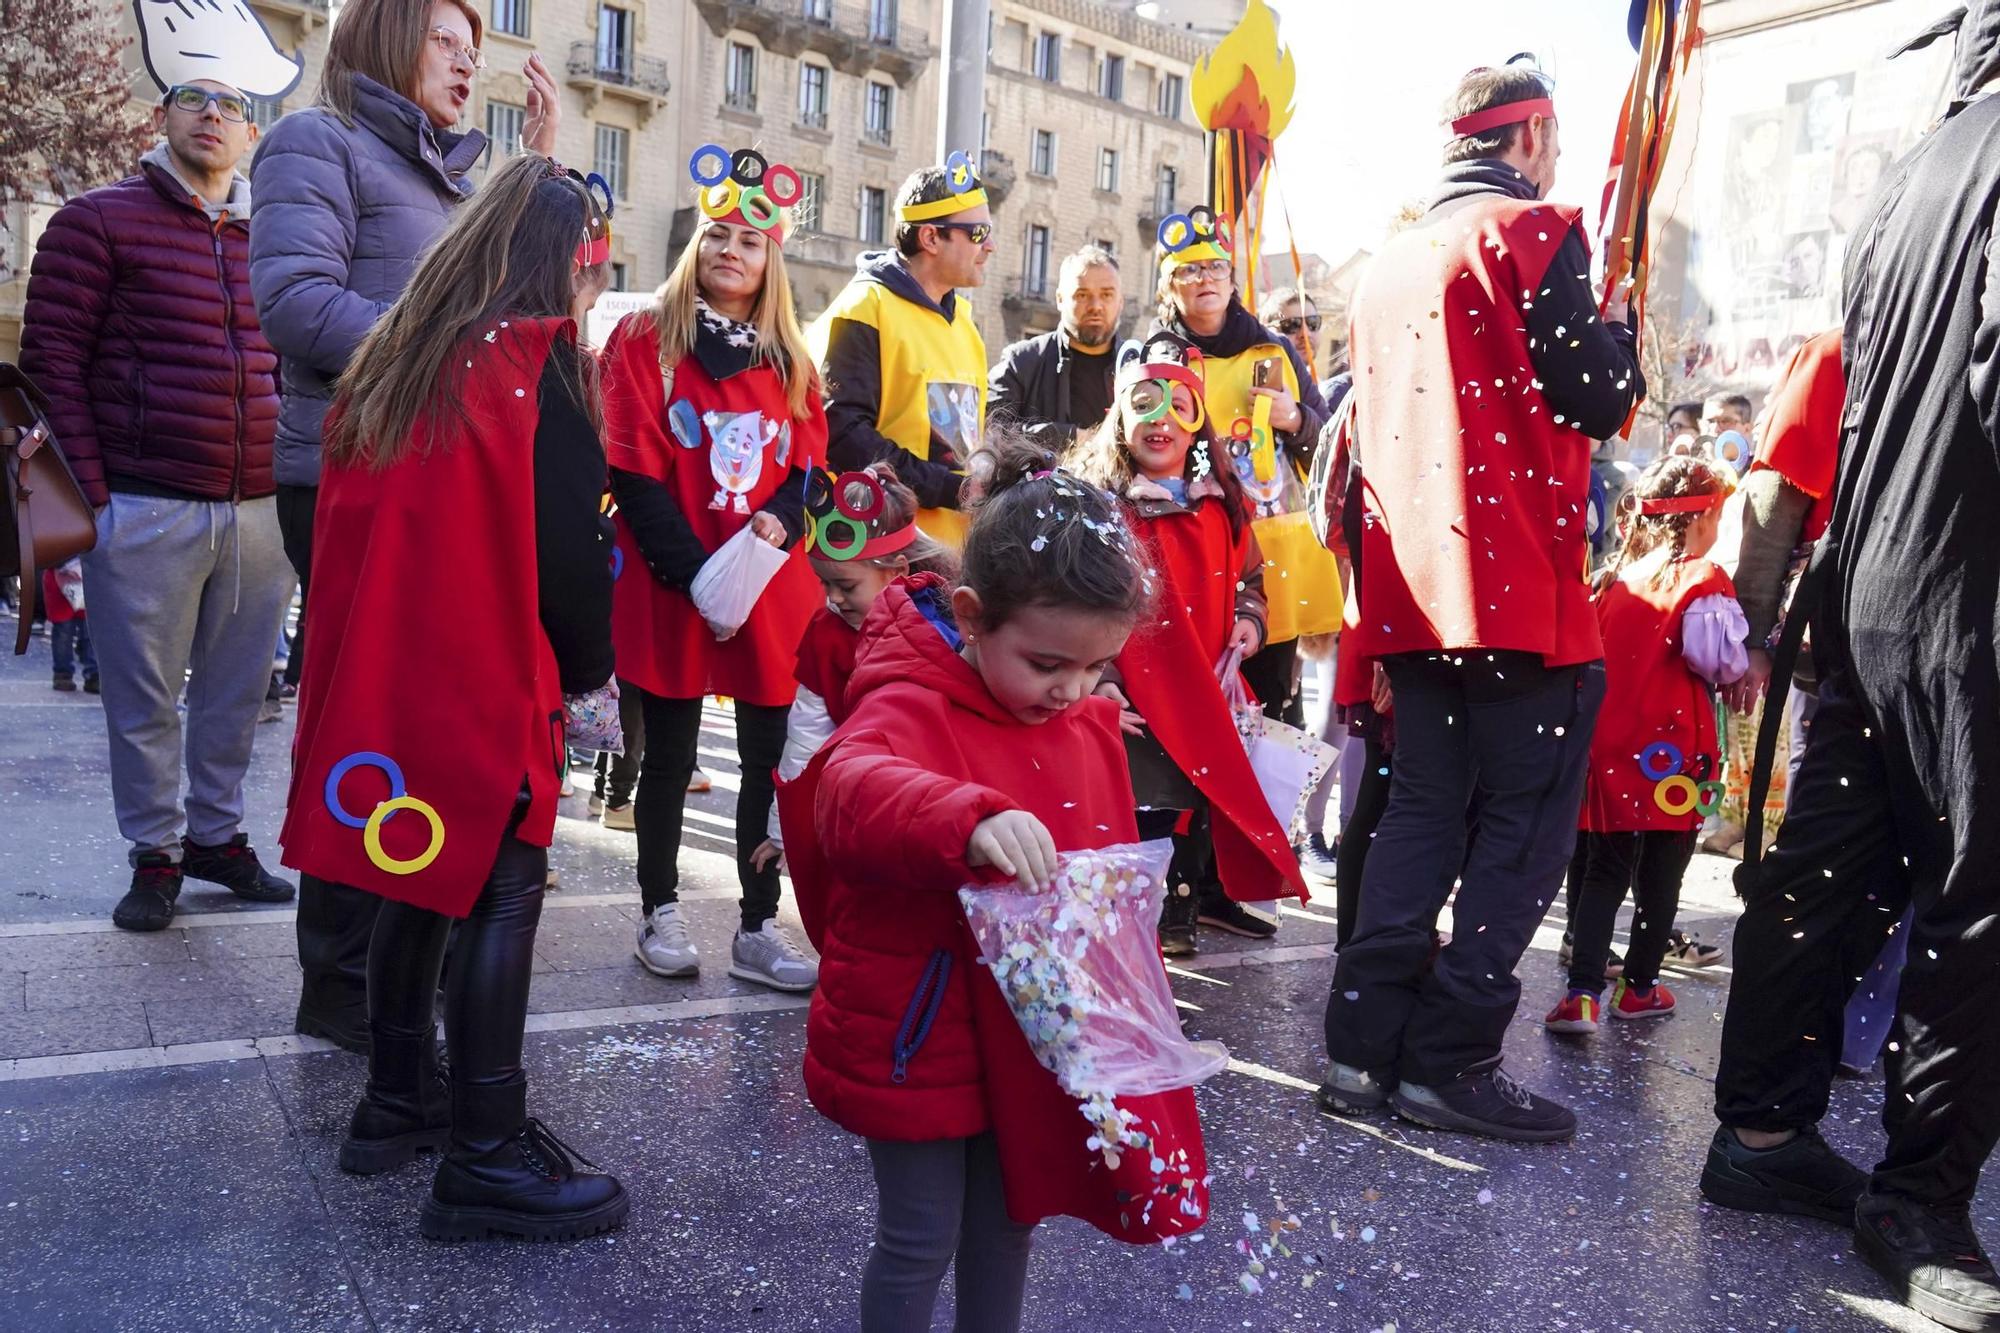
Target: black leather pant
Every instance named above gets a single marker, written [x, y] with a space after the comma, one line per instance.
[486, 993]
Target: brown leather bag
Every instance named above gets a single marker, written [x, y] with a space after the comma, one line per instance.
[46, 520]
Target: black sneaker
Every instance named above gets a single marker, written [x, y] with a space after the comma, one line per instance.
[1177, 922]
[236, 868]
[149, 903]
[1317, 859]
[64, 683]
[1932, 1259]
[1230, 915]
[90, 685]
[1802, 1176]
[1350, 1091]
[1485, 1100]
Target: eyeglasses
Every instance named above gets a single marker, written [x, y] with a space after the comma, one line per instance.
[978, 231]
[447, 42]
[1189, 274]
[1290, 324]
[186, 97]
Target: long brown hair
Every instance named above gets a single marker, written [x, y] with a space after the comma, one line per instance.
[1669, 478]
[383, 39]
[1104, 458]
[509, 250]
[781, 345]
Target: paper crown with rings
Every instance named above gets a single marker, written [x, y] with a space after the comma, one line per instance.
[746, 189]
[840, 528]
[966, 192]
[1149, 370]
[595, 247]
[1193, 237]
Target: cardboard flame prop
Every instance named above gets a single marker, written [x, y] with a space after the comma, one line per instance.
[1242, 94]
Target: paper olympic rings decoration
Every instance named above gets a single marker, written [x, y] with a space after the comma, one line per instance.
[831, 509]
[745, 186]
[962, 179]
[1152, 399]
[1197, 226]
[1673, 791]
[1733, 448]
[371, 827]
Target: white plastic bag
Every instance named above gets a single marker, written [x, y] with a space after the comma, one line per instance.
[731, 580]
[1289, 763]
[1080, 968]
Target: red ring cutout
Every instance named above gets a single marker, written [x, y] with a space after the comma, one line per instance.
[1241, 430]
[847, 479]
[771, 176]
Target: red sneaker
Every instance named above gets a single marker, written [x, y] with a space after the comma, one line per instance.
[1627, 1001]
[1577, 1013]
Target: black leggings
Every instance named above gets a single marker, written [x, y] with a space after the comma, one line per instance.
[1649, 865]
[617, 774]
[673, 727]
[1273, 676]
[486, 991]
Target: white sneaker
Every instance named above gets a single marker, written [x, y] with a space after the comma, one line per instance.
[664, 948]
[620, 817]
[769, 957]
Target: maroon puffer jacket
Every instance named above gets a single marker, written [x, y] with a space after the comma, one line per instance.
[140, 329]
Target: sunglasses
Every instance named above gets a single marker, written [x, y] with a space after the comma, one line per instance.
[978, 231]
[447, 42]
[195, 101]
[1291, 324]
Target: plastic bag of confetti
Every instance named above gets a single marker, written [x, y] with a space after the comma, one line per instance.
[1080, 968]
[731, 580]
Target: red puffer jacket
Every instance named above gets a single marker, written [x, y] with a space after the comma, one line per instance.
[140, 329]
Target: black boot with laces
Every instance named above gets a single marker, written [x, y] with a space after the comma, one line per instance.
[506, 1175]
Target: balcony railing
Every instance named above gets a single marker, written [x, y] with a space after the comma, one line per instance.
[741, 101]
[643, 77]
[813, 118]
[857, 36]
[882, 136]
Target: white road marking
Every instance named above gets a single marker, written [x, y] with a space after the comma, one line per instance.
[1258, 1071]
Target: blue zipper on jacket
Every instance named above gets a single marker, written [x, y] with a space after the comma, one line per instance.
[923, 1011]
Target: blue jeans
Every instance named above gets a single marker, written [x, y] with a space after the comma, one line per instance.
[69, 646]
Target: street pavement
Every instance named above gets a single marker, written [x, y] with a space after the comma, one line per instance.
[171, 1143]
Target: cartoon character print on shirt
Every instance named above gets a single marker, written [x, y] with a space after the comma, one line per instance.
[736, 454]
[1273, 497]
[954, 412]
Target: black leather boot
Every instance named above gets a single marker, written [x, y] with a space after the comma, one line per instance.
[507, 1175]
[1177, 916]
[406, 1109]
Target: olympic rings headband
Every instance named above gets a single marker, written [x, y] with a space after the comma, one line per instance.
[1192, 237]
[827, 505]
[746, 189]
[595, 247]
[1507, 113]
[966, 192]
[1681, 504]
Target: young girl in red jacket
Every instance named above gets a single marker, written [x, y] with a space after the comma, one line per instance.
[1156, 452]
[1672, 633]
[855, 560]
[975, 751]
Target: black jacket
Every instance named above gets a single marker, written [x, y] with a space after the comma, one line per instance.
[1030, 384]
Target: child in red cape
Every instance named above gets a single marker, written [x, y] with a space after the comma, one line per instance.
[855, 566]
[974, 752]
[1190, 774]
[1672, 632]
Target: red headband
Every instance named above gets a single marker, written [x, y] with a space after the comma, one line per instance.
[1508, 113]
[1680, 504]
[1171, 371]
[887, 544]
[594, 251]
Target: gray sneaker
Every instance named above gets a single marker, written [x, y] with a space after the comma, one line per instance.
[1350, 1091]
[1485, 1100]
[769, 957]
[664, 948]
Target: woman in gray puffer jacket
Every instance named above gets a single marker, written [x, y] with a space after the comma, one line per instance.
[349, 194]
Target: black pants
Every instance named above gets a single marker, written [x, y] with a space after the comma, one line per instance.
[1194, 851]
[673, 726]
[1371, 799]
[295, 529]
[486, 990]
[1649, 865]
[618, 774]
[1273, 676]
[1504, 732]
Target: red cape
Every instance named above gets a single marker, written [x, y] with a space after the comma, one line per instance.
[1800, 439]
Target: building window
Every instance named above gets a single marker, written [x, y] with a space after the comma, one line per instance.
[613, 151]
[511, 17]
[618, 275]
[878, 122]
[1166, 191]
[739, 78]
[1107, 170]
[614, 40]
[882, 21]
[817, 11]
[812, 95]
[874, 215]
[1048, 57]
[1170, 96]
[1111, 78]
[503, 126]
[264, 111]
[1035, 278]
[1042, 160]
[807, 212]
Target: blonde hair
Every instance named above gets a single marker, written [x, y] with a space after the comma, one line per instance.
[781, 344]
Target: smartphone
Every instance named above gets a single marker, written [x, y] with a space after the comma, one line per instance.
[1265, 376]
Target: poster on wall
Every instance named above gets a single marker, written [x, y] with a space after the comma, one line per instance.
[1808, 118]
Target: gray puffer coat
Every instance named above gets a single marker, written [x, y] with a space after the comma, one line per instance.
[342, 215]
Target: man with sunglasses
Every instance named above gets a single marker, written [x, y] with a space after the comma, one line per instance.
[1483, 375]
[140, 329]
[1291, 312]
[903, 364]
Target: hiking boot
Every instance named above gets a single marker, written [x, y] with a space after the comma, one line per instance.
[236, 868]
[405, 1110]
[1177, 922]
[1931, 1257]
[663, 947]
[1802, 1176]
[1318, 860]
[1485, 1100]
[505, 1174]
[1230, 915]
[149, 903]
[770, 957]
[1350, 1091]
